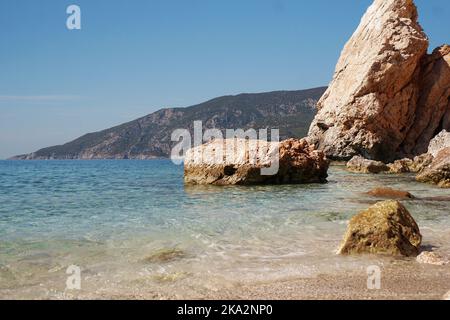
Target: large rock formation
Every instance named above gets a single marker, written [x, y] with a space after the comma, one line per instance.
[241, 161]
[385, 228]
[388, 98]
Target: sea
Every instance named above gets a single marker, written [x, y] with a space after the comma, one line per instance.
[132, 229]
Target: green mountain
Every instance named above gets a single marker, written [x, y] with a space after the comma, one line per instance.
[150, 136]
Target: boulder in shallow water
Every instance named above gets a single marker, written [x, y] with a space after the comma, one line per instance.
[360, 165]
[401, 166]
[438, 172]
[421, 162]
[244, 162]
[385, 228]
[390, 193]
[165, 255]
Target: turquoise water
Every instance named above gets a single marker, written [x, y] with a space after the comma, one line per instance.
[135, 230]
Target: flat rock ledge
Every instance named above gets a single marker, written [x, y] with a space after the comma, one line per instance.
[432, 167]
[385, 228]
[255, 162]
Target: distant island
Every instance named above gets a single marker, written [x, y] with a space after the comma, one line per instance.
[150, 137]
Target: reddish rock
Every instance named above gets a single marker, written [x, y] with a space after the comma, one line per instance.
[390, 193]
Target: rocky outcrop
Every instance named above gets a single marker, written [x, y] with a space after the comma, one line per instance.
[243, 162]
[385, 228]
[406, 165]
[360, 165]
[388, 98]
[390, 193]
[438, 172]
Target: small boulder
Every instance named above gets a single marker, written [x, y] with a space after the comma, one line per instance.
[438, 172]
[359, 164]
[390, 193]
[385, 228]
[421, 162]
[242, 162]
[401, 166]
[429, 257]
[406, 165]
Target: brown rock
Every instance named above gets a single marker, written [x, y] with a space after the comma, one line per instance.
[438, 172]
[390, 193]
[384, 228]
[421, 162]
[360, 165]
[406, 165]
[240, 161]
[401, 166]
[388, 97]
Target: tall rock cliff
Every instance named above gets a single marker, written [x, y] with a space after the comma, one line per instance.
[388, 97]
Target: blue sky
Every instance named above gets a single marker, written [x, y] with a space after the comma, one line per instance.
[134, 57]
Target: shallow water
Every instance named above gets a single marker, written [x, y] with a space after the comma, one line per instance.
[135, 230]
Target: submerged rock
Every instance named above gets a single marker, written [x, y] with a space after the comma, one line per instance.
[360, 165]
[390, 193]
[385, 228]
[388, 97]
[429, 257]
[242, 162]
[438, 172]
[165, 255]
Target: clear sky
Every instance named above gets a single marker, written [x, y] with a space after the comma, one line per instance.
[132, 57]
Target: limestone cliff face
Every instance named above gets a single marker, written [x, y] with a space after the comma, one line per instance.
[388, 98]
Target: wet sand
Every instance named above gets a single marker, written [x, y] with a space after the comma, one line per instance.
[407, 284]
